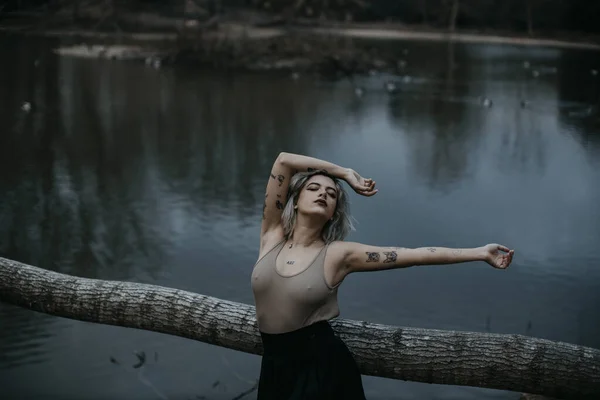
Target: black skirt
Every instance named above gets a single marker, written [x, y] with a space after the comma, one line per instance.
[309, 363]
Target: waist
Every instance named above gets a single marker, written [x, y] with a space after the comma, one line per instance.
[297, 341]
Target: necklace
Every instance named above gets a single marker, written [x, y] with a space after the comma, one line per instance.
[292, 244]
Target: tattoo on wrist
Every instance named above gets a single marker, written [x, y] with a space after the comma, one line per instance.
[372, 256]
[390, 256]
[279, 205]
[432, 249]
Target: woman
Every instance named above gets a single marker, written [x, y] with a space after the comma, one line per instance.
[303, 260]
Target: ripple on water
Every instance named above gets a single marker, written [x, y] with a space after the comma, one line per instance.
[26, 337]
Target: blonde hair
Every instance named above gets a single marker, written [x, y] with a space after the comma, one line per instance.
[336, 229]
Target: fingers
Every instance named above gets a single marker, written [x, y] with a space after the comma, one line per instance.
[507, 259]
[504, 248]
[368, 189]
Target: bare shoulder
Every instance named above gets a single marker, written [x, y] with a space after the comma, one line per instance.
[337, 252]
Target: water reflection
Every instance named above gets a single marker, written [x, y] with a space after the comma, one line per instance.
[126, 172]
[110, 147]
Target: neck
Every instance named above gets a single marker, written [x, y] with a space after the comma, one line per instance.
[305, 234]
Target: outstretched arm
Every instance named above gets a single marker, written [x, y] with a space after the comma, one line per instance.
[284, 167]
[358, 257]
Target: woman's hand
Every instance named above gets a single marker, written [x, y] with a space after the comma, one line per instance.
[362, 186]
[498, 256]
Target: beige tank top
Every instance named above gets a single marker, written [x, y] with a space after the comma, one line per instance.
[288, 303]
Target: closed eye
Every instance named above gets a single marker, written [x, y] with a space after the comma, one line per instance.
[315, 186]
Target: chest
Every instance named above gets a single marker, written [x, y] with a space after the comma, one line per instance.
[291, 276]
[290, 262]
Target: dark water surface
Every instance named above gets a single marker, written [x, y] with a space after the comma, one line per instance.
[124, 172]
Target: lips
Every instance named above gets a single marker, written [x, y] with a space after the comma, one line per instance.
[321, 202]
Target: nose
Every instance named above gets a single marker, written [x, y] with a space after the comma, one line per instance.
[323, 194]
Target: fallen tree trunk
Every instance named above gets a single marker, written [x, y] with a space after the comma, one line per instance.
[507, 362]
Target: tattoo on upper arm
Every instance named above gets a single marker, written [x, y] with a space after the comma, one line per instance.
[273, 176]
[432, 249]
[279, 195]
[390, 256]
[279, 205]
[372, 256]
[280, 178]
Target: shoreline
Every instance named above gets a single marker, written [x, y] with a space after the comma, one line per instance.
[324, 50]
[354, 30]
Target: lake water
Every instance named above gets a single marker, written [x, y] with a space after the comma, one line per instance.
[121, 171]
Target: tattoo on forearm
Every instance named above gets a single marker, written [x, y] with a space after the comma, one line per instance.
[279, 205]
[432, 249]
[457, 252]
[309, 169]
[390, 256]
[372, 256]
[280, 178]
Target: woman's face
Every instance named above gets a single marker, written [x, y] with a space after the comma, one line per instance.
[318, 197]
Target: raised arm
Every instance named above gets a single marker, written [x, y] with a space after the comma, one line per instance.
[358, 257]
[284, 167]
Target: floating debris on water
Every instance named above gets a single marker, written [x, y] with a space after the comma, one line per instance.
[391, 87]
[141, 359]
[486, 102]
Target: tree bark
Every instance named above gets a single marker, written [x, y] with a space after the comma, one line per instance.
[507, 362]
